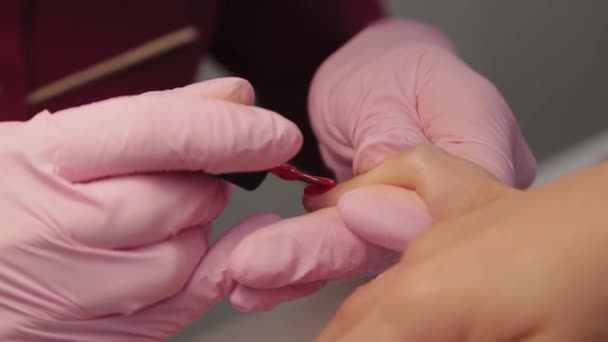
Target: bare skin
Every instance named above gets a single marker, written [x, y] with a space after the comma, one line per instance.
[497, 264]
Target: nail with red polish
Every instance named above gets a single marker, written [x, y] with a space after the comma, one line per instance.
[315, 189]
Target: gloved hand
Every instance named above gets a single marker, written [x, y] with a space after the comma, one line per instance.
[106, 210]
[501, 265]
[397, 84]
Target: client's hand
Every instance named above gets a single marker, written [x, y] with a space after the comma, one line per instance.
[498, 265]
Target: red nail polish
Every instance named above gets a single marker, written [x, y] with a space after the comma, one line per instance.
[316, 189]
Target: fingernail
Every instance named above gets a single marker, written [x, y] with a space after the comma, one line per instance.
[316, 189]
[244, 94]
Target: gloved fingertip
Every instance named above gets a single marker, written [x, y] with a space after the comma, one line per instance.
[243, 92]
[525, 165]
[416, 30]
[233, 89]
[248, 299]
[245, 299]
[215, 262]
[254, 263]
[384, 215]
[300, 250]
[280, 254]
[222, 194]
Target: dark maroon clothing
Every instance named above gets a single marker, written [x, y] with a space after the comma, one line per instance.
[275, 44]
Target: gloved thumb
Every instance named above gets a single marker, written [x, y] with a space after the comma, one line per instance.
[371, 130]
[384, 134]
[232, 89]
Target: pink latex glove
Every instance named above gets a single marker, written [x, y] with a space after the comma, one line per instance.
[106, 209]
[397, 84]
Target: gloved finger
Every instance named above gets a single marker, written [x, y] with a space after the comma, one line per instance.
[126, 280]
[161, 132]
[232, 89]
[448, 185]
[305, 249]
[131, 211]
[466, 115]
[364, 139]
[248, 299]
[393, 217]
[384, 215]
[356, 307]
[207, 285]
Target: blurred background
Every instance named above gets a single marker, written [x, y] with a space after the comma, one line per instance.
[548, 57]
